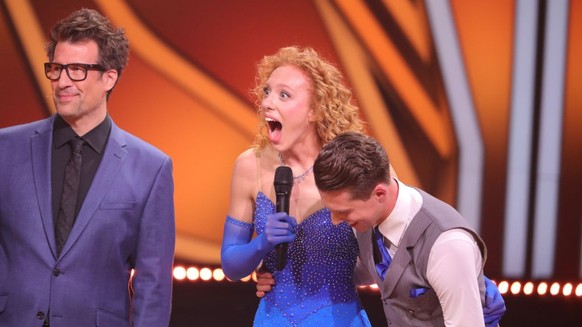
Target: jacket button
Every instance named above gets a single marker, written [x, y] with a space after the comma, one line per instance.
[56, 272]
[40, 315]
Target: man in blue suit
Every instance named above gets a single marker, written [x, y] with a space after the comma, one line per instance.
[108, 262]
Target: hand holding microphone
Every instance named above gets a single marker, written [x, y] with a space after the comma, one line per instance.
[279, 228]
[239, 256]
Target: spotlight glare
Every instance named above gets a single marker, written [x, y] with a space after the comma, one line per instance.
[555, 288]
[528, 288]
[503, 287]
[179, 273]
[542, 288]
[205, 274]
[192, 273]
[218, 274]
[515, 287]
[567, 289]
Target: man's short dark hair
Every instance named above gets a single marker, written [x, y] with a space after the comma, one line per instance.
[354, 162]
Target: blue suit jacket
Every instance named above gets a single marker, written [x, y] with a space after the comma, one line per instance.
[126, 222]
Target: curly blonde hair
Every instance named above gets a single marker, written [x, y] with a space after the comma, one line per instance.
[331, 99]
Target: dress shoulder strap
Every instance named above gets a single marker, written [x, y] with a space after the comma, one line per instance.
[259, 180]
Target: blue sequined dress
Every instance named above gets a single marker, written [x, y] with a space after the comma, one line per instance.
[316, 287]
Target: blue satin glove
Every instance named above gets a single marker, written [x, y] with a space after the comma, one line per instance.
[240, 255]
[494, 307]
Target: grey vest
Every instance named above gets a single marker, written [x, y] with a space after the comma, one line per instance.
[409, 265]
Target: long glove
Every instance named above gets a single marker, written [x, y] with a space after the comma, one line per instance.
[240, 255]
[494, 305]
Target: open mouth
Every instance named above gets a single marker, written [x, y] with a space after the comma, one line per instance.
[275, 128]
[273, 125]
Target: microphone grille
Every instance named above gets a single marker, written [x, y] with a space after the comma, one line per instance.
[283, 179]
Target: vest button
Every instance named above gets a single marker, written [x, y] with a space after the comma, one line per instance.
[40, 315]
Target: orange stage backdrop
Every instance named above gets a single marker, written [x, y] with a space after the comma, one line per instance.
[438, 84]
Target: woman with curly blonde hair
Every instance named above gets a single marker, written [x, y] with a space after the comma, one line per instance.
[332, 100]
[303, 104]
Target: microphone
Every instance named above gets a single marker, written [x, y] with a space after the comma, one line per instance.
[283, 185]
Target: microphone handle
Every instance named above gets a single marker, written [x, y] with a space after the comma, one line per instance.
[282, 206]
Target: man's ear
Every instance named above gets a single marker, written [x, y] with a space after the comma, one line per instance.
[110, 78]
[380, 192]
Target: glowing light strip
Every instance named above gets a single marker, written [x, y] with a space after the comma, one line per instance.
[520, 139]
[549, 154]
[354, 61]
[412, 24]
[462, 111]
[394, 67]
[506, 287]
[33, 41]
[157, 54]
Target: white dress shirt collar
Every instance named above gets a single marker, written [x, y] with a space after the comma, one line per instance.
[407, 205]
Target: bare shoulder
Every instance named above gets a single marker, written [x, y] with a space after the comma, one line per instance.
[243, 186]
[246, 162]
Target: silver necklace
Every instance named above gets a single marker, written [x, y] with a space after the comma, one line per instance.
[300, 177]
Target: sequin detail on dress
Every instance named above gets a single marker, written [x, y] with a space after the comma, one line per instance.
[316, 287]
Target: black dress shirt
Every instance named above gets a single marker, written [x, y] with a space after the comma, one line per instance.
[93, 149]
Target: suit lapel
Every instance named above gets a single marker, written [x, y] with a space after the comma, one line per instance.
[40, 144]
[112, 160]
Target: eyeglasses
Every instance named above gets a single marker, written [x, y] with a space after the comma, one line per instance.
[76, 72]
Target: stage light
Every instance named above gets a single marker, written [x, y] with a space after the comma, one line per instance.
[192, 273]
[503, 287]
[515, 287]
[555, 288]
[542, 288]
[179, 273]
[567, 289]
[205, 274]
[218, 274]
[506, 287]
[528, 288]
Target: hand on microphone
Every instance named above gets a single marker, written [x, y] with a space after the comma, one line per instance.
[240, 257]
[279, 228]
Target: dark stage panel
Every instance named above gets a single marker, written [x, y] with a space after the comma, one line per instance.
[224, 303]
